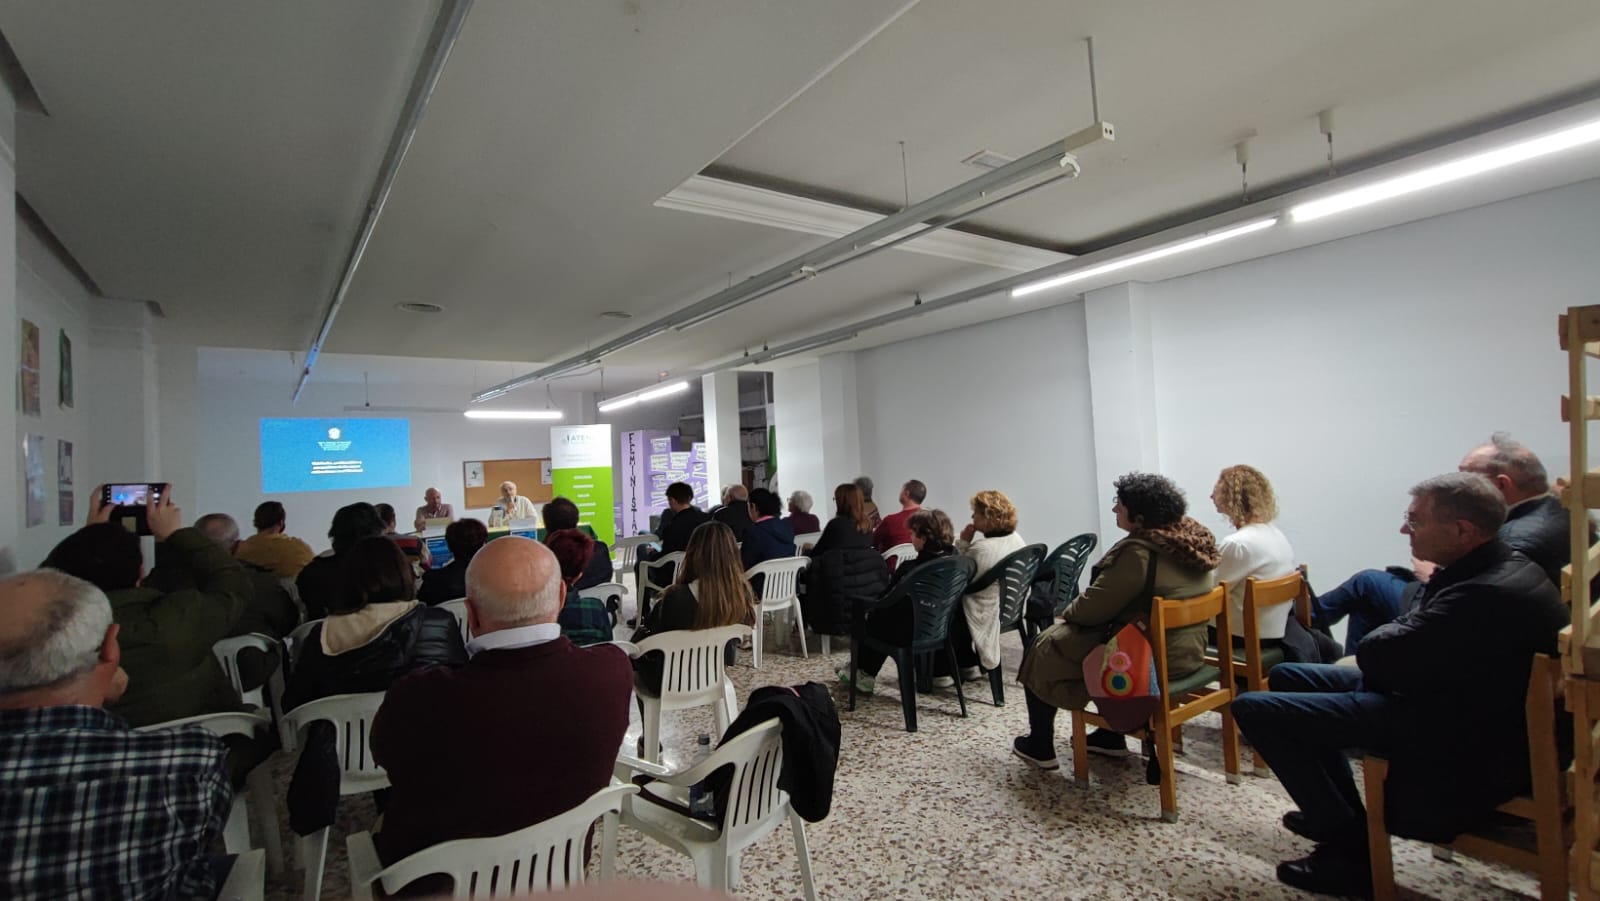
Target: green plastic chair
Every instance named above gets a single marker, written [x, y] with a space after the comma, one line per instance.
[934, 590]
[1015, 572]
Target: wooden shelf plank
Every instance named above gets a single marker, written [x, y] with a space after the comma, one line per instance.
[1589, 407]
[1588, 328]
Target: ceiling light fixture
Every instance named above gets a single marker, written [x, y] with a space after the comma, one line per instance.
[1445, 173]
[1092, 271]
[648, 394]
[419, 307]
[512, 414]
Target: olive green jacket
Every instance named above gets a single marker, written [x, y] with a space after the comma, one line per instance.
[166, 637]
[1053, 666]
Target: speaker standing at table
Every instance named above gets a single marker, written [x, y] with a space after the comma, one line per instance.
[512, 506]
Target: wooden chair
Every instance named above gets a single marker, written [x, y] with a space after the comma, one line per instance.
[547, 855]
[1257, 662]
[1183, 699]
[1549, 807]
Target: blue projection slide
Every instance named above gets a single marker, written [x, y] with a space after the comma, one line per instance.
[329, 454]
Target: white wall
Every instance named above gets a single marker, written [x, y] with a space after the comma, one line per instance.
[1351, 370]
[1002, 405]
[797, 415]
[51, 298]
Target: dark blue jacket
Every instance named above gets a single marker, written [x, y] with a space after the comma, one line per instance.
[769, 539]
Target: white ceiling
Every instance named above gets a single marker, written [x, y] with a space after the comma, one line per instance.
[214, 158]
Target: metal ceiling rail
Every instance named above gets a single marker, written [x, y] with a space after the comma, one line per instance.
[446, 29]
[1055, 154]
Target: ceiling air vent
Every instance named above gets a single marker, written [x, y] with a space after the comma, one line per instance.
[988, 159]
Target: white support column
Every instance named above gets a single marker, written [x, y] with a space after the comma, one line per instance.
[841, 424]
[1122, 391]
[719, 396]
[797, 412]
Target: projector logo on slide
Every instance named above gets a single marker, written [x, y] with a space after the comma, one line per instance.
[333, 443]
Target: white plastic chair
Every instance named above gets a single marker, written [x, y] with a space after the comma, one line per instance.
[227, 653]
[663, 564]
[351, 716]
[546, 855]
[605, 593]
[754, 808]
[692, 675]
[247, 878]
[458, 609]
[803, 539]
[297, 639]
[898, 553]
[257, 800]
[625, 552]
[778, 594]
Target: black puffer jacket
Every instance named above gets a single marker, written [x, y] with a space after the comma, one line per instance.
[427, 636]
[836, 580]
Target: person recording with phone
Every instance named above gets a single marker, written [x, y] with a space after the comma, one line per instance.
[166, 636]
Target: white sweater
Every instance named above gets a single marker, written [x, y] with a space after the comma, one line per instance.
[983, 609]
[1259, 550]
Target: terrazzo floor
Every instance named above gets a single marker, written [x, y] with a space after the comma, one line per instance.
[948, 813]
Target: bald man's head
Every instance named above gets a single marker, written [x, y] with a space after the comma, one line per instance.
[56, 637]
[514, 582]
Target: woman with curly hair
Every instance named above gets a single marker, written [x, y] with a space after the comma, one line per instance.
[1256, 547]
[990, 536]
[1165, 554]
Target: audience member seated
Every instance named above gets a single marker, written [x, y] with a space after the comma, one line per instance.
[933, 535]
[464, 538]
[1536, 525]
[990, 536]
[268, 610]
[800, 518]
[674, 531]
[873, 515]
[1449, 674]
[734, 512]
[270, 548]
[415, 549]
[527, 729]
[1165, 554]
[89, 808]
[374, 632]
[709, 592]
[1256, 548]
[845, 568]
[562, 513]
[511, 506]
[584, 621]
[768, 537]
[433, 507]
[321, 581]
[895, 529]
[165, 637]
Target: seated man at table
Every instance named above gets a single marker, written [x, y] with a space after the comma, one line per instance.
[528, 728]
[1440, 692]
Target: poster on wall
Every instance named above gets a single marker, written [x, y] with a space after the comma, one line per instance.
[580, 469]
[29, 371]
[33, 467]
[64, 481]
[64, 387]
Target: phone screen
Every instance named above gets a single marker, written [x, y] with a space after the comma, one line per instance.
[131, 495]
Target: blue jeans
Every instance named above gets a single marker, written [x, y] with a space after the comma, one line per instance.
[1302, 727]
[1370, 598]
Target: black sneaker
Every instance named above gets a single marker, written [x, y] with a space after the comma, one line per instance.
[1043, 758]
[1107, 743]
[1329, 870]
[1296, 822]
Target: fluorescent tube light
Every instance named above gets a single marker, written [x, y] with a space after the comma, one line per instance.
[618, 404]
[1205, 240]
[652, 393]
[663, 391]
[1444, 173]
[512, 414]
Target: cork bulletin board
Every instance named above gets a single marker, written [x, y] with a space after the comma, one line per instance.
[532, 477]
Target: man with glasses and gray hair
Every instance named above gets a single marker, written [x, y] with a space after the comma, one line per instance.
[1535, 524]
[1450, 673]
[89, 808]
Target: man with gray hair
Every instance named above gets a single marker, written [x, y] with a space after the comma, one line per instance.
[269, 609]
[1452, 672]
[1535, 524]
[735, 510]
[528, 728]
[88, 808]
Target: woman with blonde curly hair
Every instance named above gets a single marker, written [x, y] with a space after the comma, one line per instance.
[1256, 547]
[990, 536]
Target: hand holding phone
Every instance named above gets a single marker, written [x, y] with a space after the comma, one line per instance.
[100, 506]
[161, 515]
[129, 503]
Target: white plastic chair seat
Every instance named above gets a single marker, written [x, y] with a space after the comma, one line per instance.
[247, 878]
[458, 609]
[625, 551]
[803, 539]
[351, 716]
[753, 810]
[779, 592]
[899, 553]
[257, 801]
[692, 675]
[227, 653]
[604, 592]
[533, 859]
